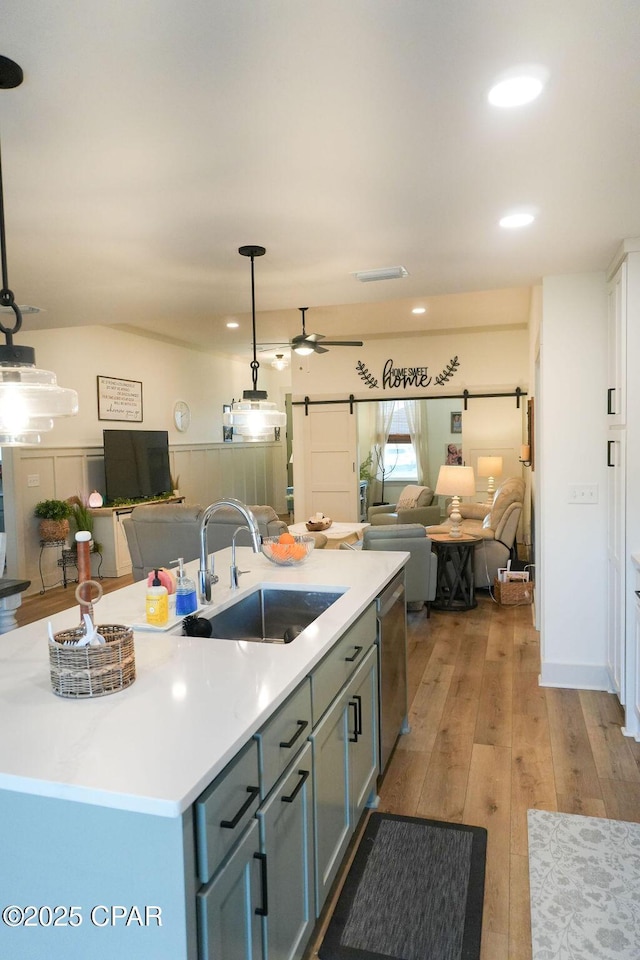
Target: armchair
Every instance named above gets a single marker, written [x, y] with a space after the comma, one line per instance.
[415, 505]
[496, 524]
[421, 569]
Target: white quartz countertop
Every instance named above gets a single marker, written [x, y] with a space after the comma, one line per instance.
[153, 747]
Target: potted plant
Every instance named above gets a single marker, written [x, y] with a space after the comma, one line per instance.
[82, 519]
[54, 519]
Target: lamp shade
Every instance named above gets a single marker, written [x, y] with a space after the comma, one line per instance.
[456, 482]
[489, 466]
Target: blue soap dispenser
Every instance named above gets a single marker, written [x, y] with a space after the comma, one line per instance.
[186, 597]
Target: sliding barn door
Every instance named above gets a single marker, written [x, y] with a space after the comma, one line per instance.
[326, 440]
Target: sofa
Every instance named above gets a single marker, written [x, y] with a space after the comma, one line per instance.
[160, 533]
[496, 524]
[422, 567]
[415, 505]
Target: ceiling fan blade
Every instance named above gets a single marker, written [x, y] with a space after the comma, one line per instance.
[343, 343]
[318, 349]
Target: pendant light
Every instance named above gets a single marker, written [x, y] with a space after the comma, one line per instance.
[253, 417]
[29, 398]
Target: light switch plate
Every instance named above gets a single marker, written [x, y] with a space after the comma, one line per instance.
[583, 493]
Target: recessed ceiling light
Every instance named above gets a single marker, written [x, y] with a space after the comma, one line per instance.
[513, 221]
[518, 86]
[233, 325]
[419, 310]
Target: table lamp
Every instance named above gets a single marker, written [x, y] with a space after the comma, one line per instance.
[455, 482]
[490, 467]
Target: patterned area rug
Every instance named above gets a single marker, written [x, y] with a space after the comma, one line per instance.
[585, 887]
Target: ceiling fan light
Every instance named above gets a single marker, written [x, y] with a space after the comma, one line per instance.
[302, 349]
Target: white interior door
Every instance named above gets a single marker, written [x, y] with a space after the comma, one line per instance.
[325, 447]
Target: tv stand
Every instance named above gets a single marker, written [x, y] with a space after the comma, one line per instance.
[108, 530]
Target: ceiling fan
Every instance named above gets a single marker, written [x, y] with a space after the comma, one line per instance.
[306, 343]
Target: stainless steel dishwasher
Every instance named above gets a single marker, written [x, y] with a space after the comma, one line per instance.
[391, 612]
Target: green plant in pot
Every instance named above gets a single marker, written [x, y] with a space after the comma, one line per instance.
[54, 519]
[82, 519]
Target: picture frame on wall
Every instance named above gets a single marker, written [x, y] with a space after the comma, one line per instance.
[119, 399]
[453, 455]
[456, 421]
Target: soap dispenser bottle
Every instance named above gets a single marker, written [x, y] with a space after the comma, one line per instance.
[186, 597]
[157, 603]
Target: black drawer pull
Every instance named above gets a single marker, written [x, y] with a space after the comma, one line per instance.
[610, 393]
[301, 725]
[610, 444]
[298, 787]
[262, 911]
[357, 650]
[232, 824]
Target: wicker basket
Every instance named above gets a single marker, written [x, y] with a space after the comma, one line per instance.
[514, 592]
[92, 671]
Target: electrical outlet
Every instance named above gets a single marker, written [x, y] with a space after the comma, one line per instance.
[583, 493]
[33, 480]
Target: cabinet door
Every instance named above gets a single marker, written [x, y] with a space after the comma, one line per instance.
[363, 735]
[332, 814]
[617, 348]
[228, 926]
[286, 821]
[616, 558]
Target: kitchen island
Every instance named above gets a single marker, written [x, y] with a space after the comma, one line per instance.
[97, 797]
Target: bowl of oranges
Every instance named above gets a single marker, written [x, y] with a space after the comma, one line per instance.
[287, 550]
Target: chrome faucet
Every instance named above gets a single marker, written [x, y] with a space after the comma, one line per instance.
[206, 573]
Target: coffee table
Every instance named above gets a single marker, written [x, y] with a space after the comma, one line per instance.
[336, 534]
[455, 585]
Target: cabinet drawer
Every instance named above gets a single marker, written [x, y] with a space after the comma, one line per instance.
[339, 664]
[283, 736]
[224, 809]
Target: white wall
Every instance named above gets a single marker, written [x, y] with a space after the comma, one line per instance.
[168, 373]
[572, 442]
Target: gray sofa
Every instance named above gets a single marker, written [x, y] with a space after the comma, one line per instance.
[160, 533]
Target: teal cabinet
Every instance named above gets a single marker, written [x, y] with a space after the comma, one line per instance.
[345, 758]
[229, 906]
[286, 834]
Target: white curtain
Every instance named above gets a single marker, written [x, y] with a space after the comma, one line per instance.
[384, 413]
[416, 411]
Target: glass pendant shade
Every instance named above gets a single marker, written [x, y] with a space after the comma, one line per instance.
[254, 419]
[29, 400]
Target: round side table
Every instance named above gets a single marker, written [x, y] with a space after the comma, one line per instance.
[455, 585]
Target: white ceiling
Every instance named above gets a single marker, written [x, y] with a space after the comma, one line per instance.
[151, 138]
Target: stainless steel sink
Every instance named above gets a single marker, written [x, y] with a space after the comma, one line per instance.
[271, 615]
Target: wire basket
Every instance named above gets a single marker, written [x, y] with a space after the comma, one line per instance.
[92, 671]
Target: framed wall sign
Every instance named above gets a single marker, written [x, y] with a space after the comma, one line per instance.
[119, 399]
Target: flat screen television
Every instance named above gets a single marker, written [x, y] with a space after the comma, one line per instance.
[136, 464]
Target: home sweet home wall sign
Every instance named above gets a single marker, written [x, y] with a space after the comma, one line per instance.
[394, 378]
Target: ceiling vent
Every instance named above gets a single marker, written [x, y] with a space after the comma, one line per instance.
[384, 273]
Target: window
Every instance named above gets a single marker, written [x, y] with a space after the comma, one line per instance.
[399, 454]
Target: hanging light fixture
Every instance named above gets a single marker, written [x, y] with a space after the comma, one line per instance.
[253, 417]
[280, 363]
[29, 398]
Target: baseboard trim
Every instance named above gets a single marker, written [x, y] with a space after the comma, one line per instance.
[575, 676]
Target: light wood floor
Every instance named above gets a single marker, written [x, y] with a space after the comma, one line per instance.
[486, 744]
